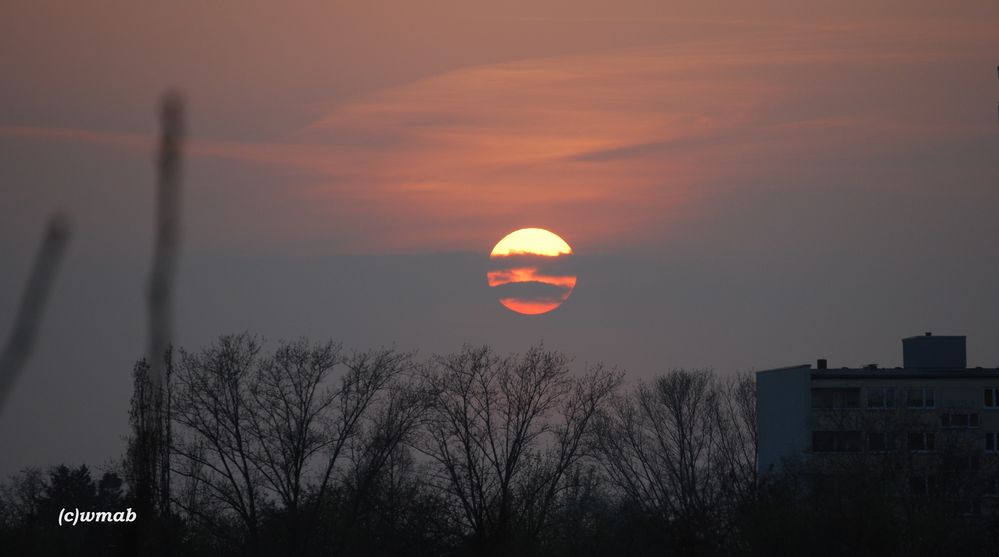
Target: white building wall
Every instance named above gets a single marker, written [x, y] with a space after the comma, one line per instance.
[783, 411]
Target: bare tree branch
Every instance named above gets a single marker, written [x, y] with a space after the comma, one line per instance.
[29, 314]
[167, 233]
[504, 432]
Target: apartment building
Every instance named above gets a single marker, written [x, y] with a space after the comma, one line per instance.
[940, 414]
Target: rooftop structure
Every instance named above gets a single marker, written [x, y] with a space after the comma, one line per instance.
[930, 406]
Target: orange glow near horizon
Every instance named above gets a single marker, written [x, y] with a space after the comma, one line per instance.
[539, 246]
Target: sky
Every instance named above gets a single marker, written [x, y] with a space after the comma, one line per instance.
[743, 186]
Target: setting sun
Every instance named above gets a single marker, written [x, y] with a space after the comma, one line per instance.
[533, 241]
[529, 271]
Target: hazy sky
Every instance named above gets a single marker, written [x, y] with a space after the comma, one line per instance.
[744, 187]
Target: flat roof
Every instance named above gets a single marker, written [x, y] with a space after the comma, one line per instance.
[801, 366]
[892, 372]
[904, 373]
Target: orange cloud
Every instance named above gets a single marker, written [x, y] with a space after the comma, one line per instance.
[529, 274]
[607, 147]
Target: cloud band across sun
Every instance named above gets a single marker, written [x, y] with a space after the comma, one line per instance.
[526, 290]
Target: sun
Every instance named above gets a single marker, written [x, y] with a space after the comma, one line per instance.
[533, 241]
[530, 271]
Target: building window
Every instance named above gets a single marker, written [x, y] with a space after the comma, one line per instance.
[991, 487]
[921, 485]
[959, 419]
[962, 463]
[836, 441]
[836, 398]
[920, 397]
[992, 442]
[992, 398]
[967, 507]
[879, 442]
[920, 442]
[881, 397]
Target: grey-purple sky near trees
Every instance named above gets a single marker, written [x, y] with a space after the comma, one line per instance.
[744, 187]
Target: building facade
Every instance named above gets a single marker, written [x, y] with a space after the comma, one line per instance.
[934, 418]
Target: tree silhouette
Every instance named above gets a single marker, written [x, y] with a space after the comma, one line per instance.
[504, 433]
[269, 440]
[672, 447]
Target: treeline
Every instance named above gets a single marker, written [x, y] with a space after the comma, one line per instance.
[311, 449]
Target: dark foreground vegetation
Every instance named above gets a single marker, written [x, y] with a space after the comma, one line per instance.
[310, 449]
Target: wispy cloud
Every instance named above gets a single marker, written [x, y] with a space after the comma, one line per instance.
[603, 147]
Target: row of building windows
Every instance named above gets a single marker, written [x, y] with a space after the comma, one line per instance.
[884, 398]
[851, 441]
[959, 419]
[926, 484]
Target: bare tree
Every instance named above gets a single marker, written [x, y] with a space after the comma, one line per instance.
[215, 445]
[736, 422]
[29, 314]
[504, 432]
[369, 375]
[305, 426]
[276, 434]
[661, 444]
[380, 451]
[146, 464]
[288, 401]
